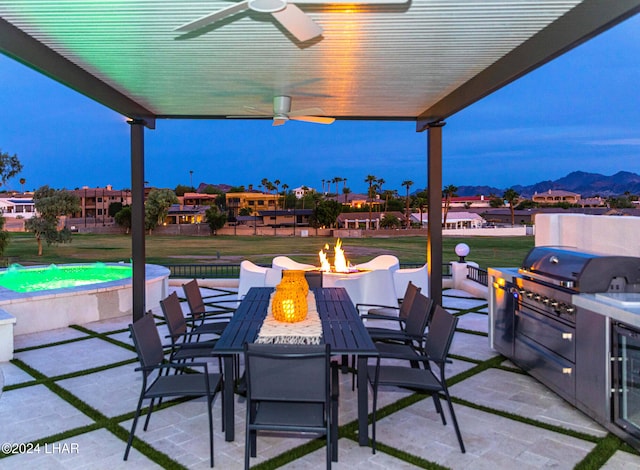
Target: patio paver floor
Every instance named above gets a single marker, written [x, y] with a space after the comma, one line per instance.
[96, 406]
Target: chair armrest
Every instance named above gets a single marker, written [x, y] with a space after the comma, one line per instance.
[397, 336]
[187, 338]
[377, 306]
[211, 315]
[375, 316]
[172, 365]
[218, 304]
[198, 345]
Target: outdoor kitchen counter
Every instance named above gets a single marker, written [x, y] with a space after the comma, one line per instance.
[624, 308]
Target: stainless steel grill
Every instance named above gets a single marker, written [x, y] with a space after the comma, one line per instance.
[581, 272]
[537, 324]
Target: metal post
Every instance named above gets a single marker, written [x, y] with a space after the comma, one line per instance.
[137, 217]
[434, 217]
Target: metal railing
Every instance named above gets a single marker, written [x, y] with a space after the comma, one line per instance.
[204, 271]
[232, 271]
[478, 275]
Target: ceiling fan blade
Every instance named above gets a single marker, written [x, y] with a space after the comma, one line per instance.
[297, 22]
[253, 110]
[211, 17]
[306, 112]
[278, 121]
[314, 119]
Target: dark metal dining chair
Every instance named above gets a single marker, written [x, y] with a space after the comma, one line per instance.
[408, 339]
[202, 312]
[182, 345]
[156, 386]
[396, 314]
[289, 389]
[434, 356]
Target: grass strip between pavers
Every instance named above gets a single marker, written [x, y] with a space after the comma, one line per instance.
[410, 458]
[472, 332]
[100, 420]
[600, 454]
[51, 345]
[105, 336]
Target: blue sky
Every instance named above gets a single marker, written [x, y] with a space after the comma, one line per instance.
[579, 112]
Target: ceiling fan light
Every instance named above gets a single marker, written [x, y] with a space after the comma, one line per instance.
[267, 6]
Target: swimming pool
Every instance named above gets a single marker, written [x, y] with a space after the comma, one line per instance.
[20, 279]
[49, 308]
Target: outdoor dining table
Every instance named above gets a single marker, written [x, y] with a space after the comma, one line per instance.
[342, 328]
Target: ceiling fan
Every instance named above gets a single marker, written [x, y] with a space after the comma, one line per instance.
[282, 113]
[294, 20]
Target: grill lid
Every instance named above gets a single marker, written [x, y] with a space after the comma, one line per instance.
[582, 271]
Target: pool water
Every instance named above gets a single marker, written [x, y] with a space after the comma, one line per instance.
[21, 279]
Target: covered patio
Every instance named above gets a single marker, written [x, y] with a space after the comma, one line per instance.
[415, 60]
[60, 388]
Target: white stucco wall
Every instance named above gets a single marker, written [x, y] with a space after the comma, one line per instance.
[615, 235]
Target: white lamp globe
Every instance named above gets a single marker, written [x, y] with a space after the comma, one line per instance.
[462, 250]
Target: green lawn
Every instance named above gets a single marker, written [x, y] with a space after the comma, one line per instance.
[165, 250]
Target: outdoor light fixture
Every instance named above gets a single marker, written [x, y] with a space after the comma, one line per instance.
[290, 300]
[462, 250]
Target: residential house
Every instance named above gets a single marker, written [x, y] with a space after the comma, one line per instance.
[455, 220]
[198, 199]
[468, 202]
[357, 201]
[555, 196]
[286, 218]
[255, 201]
[95, 202]
[17, 206]
[185, 214]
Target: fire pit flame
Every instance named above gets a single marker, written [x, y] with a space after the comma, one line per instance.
[340, 263]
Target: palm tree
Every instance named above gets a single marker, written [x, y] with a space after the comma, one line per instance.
[336, 180]
[323, 186]
[285, 186]
[276, 184]
[346, 192]
[449, 192]
[379, 183]
[22, 182]
[371, 180]
[305, 190]
[407, 184]
[512, 197]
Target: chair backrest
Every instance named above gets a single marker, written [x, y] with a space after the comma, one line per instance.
[251, 275]
[377, 288]
[194, 298]
[172, 311]
[280, 372]
[284, 262]
[418, 276]
[389, 262]
[146, 339]
[419, 315]
[440, 335]
[314, 278]
[408, 299]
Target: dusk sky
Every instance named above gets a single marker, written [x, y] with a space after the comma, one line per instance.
[579, 112]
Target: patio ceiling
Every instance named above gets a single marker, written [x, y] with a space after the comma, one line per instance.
[420, 60]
